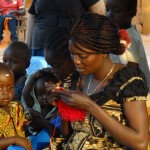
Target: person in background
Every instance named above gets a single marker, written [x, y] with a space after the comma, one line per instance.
[11, 9]
[112, 95]
[57, 55]
[17, 56]
[45, 15]
[121, 13]
[12, 117]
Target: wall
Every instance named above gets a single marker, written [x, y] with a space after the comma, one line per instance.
[146, 16]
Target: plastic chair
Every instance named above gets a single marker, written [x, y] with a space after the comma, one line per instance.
[38, 143]
[36, 63]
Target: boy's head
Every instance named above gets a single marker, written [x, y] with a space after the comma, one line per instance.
[40, 89]
[57, 54]
[6, 85]
[17, 56]
[121, 12]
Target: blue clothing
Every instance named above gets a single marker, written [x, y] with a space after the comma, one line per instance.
[11, 25]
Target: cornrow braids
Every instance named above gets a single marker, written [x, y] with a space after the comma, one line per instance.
[98, 33]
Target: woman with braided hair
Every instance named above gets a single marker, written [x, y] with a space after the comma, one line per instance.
[113, 96]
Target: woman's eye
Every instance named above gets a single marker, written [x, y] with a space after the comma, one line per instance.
[83, 56]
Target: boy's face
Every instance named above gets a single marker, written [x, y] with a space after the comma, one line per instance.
[15, 62]
[40, 91]
[6, 88]
[117, 11]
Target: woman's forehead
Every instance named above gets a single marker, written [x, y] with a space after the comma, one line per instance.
[77, 47]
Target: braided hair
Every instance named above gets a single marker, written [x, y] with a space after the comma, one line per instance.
[98, 33]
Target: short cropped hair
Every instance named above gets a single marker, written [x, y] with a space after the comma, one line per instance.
[21, 48]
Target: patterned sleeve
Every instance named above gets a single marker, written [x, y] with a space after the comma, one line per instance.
[129, 84]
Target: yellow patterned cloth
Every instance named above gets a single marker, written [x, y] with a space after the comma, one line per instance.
[12, 124]
[127, 85]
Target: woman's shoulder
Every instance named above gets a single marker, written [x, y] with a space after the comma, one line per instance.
[128, 81]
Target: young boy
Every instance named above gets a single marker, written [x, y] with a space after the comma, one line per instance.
[12, 117]
[122, 12]
[17, 56]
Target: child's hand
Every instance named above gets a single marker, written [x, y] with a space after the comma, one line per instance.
[23, 142]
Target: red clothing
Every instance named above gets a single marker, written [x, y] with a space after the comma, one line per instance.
[11, 5]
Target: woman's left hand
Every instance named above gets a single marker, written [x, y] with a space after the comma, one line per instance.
[75, 99]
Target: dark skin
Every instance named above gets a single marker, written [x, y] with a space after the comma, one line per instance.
[18, 64]
[135, 135]
[118, 12]
[38, 119]
[6, 96]
[61, 65]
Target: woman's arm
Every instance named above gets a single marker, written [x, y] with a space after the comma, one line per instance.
[135, 135]
[99, 8]
[30, 25]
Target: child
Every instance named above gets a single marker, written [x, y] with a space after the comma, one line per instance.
[122, 12]
[36, 100]
[12, 118]
[17, 56]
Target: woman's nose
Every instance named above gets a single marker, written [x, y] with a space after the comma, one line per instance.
[76, 59]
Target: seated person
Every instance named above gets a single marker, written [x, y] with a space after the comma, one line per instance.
[17, 56]
[113, 95]
[37, 101]
[11, 9]
[12, 117]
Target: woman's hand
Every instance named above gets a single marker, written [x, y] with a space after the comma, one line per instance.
[23, 142]
[75, 98]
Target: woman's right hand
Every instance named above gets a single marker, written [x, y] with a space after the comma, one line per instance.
[23, 142]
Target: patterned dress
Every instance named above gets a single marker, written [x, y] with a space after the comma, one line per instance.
[12, 124]
[128, 84]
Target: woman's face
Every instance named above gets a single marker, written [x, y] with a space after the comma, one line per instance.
[85, 63]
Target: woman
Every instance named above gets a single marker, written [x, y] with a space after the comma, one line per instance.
[113, 95]
[45, 15]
